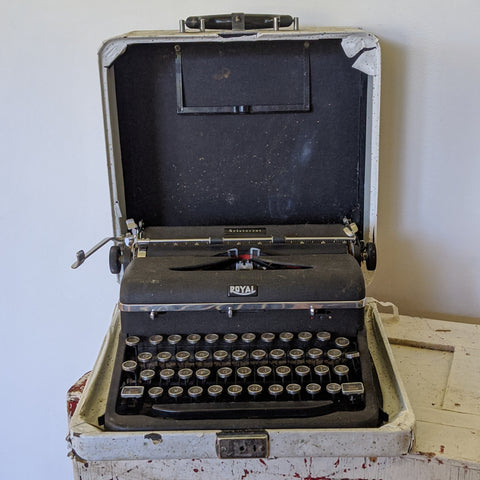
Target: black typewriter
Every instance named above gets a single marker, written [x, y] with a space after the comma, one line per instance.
[243, 163]
[234, 338]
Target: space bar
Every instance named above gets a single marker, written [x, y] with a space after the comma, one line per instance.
[240, 409]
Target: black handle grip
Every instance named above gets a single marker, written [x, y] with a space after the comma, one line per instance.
[228, 21]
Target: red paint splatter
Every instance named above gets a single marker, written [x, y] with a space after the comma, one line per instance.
[442, 448]
[337, 462]
[74, 393]
[439, 461]
[150, 461]
[316, 478]
[262, 462]
[195, 470]
[296, 475]
[245, 473]
[364, 466]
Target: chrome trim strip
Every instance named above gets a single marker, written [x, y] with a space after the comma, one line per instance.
[208, 240]
[316, 239]
[175, 240]
[224, 307]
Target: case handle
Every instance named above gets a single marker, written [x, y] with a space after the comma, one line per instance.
[240, 21]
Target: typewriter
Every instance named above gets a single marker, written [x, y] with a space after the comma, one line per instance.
[242, 169]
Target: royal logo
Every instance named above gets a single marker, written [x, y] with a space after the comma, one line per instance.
[242, 291]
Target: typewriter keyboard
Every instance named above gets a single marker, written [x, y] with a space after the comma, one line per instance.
[252, 375]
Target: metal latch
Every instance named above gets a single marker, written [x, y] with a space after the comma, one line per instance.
[242, 445]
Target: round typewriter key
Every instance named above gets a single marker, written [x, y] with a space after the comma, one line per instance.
[277, 354]
[201, 356]
[129, 366]
[324, 336]
[132, 341]
[230, 337]
[175, 392]
[202, 373]
[264, 371]
[155, 392]
[313, 389]
[239, 355]
[315, 353]
[283, 371]
[144, 357]
[234, 390]
[293, 389]
[166, 374]
[302, 370]
[147, 375]
[182, 356]
[334, 389]
[286, 336]
[334, 354]
[248, 337]
[275, 390]
[185, 373]
[342, 342]
[211, 338]
[215, 390]
[193, 338]
[220, 355]
[155, 340]
[341, 371]
[174, 339]
[258, 354]
[224, 372]
[268, 337]
[195, 392]
[164, 357]
[296, 354]
[323, 372]
[244, 372]
[304, 336]
[254, 389]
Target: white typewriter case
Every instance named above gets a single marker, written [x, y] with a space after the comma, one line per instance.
[90, 442]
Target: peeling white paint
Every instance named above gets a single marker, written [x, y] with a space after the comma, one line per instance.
[111, 50]
[368, 61]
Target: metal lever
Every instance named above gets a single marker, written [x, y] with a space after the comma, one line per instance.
[82, 256]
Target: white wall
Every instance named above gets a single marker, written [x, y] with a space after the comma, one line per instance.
[54, 195]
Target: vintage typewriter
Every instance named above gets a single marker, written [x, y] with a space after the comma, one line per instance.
[242, 162]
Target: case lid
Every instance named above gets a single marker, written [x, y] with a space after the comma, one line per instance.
[242, 128]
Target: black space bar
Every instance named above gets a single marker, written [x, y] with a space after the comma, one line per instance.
[241, 409]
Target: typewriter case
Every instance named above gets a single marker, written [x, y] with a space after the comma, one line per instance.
[243, 146]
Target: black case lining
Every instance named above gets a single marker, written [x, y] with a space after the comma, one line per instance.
[242, 169]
